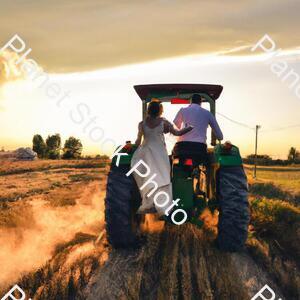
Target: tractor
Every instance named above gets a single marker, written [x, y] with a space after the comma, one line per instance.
[218, 182]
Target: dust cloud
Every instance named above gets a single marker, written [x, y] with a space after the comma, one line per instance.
[26, 248]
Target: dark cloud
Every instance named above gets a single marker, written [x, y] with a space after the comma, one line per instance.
[80, 35]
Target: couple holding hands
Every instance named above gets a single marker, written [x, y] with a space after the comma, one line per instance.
[191, 124]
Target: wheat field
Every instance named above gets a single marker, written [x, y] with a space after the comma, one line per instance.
[54, 244]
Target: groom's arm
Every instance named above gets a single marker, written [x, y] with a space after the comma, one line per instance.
[178, 119]
[215, 127]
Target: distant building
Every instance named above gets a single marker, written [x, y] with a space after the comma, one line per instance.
[25, 154]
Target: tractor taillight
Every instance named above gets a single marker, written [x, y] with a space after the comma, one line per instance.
[180, 101]
[127, 148]
[188, 162]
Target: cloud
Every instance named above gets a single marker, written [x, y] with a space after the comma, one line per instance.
[93, 34]
[9, 70]
[240, 50]
[14, 67]
[3, 69]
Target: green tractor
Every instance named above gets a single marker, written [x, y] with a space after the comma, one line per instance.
[218, 182]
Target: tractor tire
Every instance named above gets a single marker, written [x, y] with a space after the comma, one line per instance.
[234, 216]
[121, 202]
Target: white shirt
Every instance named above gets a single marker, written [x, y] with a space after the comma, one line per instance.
[200, 118]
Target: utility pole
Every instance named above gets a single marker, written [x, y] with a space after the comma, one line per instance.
[255, 157]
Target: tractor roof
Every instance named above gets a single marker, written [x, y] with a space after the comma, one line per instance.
[165, 92]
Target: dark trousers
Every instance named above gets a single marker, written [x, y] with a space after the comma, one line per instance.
[191, 150]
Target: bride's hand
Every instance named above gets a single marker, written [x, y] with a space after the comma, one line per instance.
[186, 129]
[189, 127]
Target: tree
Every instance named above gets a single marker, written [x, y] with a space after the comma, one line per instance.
[103, 157]
[39, 146]
[72, 148]
[292, 156]
[263, 159]
[53, 143]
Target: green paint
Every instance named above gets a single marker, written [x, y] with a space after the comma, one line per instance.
[182, 186]
[227, 158]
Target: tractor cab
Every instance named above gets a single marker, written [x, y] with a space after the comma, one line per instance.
[179, 94]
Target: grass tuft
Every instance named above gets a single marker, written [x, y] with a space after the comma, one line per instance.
[271, 191]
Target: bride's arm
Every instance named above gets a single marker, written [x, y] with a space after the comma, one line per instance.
[140, 134]
[169, 127]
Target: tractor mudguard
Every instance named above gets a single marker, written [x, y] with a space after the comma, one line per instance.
[234, 217]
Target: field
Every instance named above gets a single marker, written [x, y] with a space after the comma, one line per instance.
[286, 178]
[43, 203]
[53, 240]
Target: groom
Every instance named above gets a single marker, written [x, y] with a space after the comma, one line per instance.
[193, 144]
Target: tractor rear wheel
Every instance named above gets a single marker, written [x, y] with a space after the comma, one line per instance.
[121, 202]
[233, 207]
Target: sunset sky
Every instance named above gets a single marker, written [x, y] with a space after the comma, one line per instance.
[97, 50]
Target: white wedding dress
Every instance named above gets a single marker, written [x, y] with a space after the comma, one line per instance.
[154, 153]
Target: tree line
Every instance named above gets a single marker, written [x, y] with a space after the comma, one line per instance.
[51, 148]
[293, 157]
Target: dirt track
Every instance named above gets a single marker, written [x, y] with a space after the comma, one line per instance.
[178, 263]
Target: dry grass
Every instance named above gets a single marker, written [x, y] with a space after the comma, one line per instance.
[272, 257]
[19, 167]
[176, 263]
[277, 220]
[68, 272]
[275, 239]
[271, 191]
[15, 215]
[285, 178]
[57, 176]
[41, 208]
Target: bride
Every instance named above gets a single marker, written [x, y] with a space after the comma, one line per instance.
[154, 153]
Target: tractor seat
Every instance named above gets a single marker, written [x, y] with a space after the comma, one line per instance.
[191, 153]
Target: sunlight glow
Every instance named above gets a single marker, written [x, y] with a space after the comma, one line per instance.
[105, 99]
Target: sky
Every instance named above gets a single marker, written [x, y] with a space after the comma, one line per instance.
[97, 50]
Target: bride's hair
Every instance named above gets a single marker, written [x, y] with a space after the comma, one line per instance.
[155, 108]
